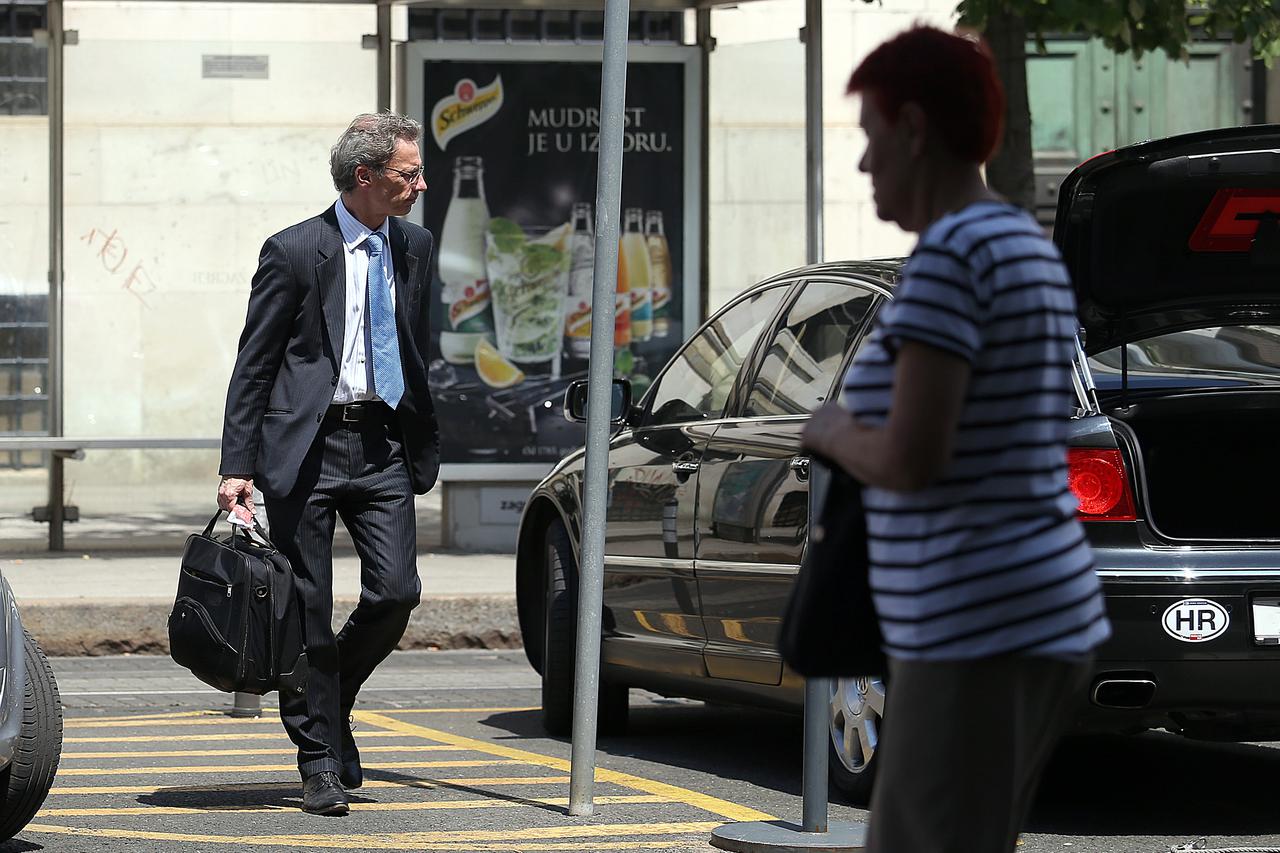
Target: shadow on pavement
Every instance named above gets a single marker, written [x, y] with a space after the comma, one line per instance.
[751, 745]
[288, 795]
[1150, 784]
[1160, 784]
[17, 845]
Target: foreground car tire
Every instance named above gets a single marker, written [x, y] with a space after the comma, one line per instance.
[559, 638]
[857, 711]
[29, 776]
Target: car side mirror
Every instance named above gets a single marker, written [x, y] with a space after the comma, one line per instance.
[575, 402]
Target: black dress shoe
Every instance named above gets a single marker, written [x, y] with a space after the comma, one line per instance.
[323, 794]
[351, 775]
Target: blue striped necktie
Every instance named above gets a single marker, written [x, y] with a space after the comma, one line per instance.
[388, 375]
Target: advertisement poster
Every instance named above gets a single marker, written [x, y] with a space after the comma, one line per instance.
[510, 150]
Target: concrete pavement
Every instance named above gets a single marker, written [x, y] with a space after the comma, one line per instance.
[109, 594]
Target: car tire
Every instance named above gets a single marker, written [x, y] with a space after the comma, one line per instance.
[29, 776]
[857, 713]
[559, 637]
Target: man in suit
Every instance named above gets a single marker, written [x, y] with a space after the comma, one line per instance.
[329, 415]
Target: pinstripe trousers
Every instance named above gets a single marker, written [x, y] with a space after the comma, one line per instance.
[355, 472]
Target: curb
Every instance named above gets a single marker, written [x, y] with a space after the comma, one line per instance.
[73, 629]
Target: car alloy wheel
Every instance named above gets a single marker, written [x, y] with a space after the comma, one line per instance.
[857, 709]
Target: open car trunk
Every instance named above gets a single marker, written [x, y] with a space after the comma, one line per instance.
[1211, 462]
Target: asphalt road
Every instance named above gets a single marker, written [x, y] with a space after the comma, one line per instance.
[455, 760]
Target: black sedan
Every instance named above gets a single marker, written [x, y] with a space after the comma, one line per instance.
[1174, 247]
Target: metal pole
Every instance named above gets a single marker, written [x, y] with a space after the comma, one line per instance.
[816, 832]
[246, 705]
[384, 56]
[53, 382]
[817, 691]
[813, 129]
[817, 734]
[702, 24]
[586, 681]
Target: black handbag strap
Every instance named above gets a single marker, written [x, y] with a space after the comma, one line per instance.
[236, 530]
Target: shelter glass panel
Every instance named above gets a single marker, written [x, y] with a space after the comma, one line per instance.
[756, 160]
[194, 131]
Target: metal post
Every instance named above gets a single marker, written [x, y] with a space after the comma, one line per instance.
[702, 24]
[817, 734]
[246, 705]
[384, 55]
[813, 130]
[586, 679]
[815, 831]
[817, 691]
[53, 382]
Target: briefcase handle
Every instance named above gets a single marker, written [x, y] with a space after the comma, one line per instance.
[237, 531]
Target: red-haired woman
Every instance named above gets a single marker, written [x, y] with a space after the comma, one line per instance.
[982, 578]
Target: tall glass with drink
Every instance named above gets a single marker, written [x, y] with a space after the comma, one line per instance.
[529, 278]
[468, 316]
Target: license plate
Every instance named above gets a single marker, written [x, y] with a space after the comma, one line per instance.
[1266, 620]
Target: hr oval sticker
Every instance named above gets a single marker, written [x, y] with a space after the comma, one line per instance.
[1195, 620]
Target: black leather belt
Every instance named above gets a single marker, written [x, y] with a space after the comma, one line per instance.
[353, 414]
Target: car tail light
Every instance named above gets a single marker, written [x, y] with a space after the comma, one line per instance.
[1100, 483]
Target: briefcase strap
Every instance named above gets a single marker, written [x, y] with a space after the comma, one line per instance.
[236, 530]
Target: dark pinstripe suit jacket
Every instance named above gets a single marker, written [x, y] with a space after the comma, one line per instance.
[287, 366]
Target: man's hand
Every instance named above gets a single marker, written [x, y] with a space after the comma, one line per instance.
[235, 495]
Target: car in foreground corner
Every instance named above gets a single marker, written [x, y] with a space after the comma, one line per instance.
[1174, 249]
[30, 721]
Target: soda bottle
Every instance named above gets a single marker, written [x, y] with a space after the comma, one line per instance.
[577, 304]
[622, 307]
[659, 272]
[468, 314]
[633, 256]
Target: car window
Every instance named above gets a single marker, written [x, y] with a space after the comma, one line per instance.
[801, 361]
[697, 383]
[1218, 356]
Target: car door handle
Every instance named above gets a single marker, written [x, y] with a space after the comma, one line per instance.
[685, 467]
[800, 464]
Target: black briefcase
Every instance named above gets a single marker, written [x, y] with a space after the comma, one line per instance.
[830, 628]
[236, 623]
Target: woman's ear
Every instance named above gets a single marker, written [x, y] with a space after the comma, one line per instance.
[915, 125]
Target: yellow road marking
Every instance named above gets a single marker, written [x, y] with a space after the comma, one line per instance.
[289, 786]
[139, 722]
[237, 736]
[259, 768]
[706, 802]
[167, 715]
[205, 753]
[459, 710]
[430, 805]
[506, 839]
[216, 718]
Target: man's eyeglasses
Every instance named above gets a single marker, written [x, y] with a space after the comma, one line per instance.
[410, 177]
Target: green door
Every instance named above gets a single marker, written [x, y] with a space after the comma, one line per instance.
[1085, 99]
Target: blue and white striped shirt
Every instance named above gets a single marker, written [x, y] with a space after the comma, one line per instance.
[990, 558]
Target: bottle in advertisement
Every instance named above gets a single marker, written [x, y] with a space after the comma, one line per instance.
[659, 272]
[468, 315]
[577, 304]
[633, 257]
[622, 307]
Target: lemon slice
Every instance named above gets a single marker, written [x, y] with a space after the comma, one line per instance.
[494, 368]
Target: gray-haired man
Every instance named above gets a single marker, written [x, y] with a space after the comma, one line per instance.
[329, 415]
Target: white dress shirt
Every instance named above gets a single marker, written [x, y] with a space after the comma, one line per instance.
[353, 374]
